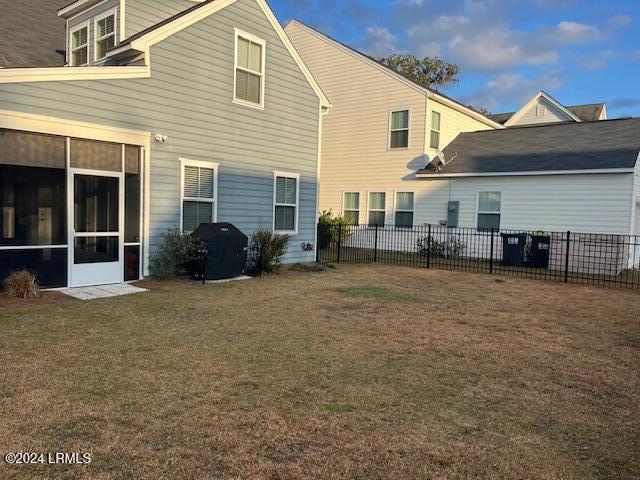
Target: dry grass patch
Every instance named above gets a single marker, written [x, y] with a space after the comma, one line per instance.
[287, 378]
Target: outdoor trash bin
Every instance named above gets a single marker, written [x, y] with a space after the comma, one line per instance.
[513, 249]
[538, 254]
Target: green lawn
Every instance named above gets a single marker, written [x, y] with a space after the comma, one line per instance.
[363, 372]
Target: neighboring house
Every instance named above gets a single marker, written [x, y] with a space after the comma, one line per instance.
[543, 108]
[378, 166]
[382, 128]
[186, 112]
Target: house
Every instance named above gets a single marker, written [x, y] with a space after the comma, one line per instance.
[168, 114]
[382, 163]
[543, 108]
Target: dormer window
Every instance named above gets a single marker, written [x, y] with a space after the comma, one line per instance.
[105, 32]
[79, 46]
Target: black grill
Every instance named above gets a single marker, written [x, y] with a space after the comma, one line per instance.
[226, 251]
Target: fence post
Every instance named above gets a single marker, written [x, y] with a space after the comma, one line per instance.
[339, 241]
[493, 235]
[429, 247]
[566, 258]
[375, 246]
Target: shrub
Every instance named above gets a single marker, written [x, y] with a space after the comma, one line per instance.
[328, 228]
[22, 284]
[453, 247]
[267, 250]
[174, 254]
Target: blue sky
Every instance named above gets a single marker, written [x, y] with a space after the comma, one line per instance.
[579, 51]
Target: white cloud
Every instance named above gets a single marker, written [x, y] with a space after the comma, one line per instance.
[379, 42]
[575, 33]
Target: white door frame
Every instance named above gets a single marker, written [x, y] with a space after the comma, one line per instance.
[74, 273]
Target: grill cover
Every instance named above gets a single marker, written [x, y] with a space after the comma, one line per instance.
[227, 250]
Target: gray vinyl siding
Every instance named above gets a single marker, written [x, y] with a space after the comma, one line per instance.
[141, 14]
[88, 16]
[189, 99]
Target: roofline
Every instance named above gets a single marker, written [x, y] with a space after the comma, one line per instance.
[549, 98]
[525, 173]
[75, 7]
[49, 74]
[196, 13]
[410, 83]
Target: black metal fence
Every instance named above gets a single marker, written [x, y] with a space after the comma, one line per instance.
[598, 259]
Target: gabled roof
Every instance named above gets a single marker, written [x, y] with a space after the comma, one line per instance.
[407, 81]
[19, 47]
[552, 148]
[577, 113]
[143, 40]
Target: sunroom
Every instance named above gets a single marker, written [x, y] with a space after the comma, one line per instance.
[71, 207]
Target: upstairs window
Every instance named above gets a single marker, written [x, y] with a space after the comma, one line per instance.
[199, 192]
[105, 32]
[79, 46]
[249, 70]
[351, 210]
[285, 205]
[489, 210]
[436, 119]
[399, 129]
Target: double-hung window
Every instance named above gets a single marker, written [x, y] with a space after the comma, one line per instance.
[105, 34]
[79, 46]
[249, 70]
[399, 129]
[404, 209]
[351, 207]
[489, 210]
[286, 199]
[377, 208]
[436, 120]
[199, 193]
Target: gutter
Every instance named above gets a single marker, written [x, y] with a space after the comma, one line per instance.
[524, 174]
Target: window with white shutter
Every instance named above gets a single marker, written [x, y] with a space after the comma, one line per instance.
[105, 34]
[79, 45]
[249, 70]
[199, 193]
[286, 198]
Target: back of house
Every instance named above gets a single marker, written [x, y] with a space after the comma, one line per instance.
[164, 114]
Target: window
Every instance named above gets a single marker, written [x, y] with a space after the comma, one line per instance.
[436, 119]
[399, 129]
[105, 33]
[489, 210]
[199, 193]
[404, 209]
[249, 69]
[351, 207]
[79, 46]
[377, 203]
[285, 205]
[541, 110]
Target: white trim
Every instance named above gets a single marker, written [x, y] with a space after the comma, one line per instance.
[369, 210]
[529, 173]
[516, 116]
[33, 247]
[428, 93]
[396, 210]
[186, 162]
[344, 209]
[408, 129]
[253, 39]
[52, 74]
[77, 28]
[321, 112]
[84, 12]
[123, 16]
[74, 6]
[478, 212]
[277, 174]
[112, 12]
